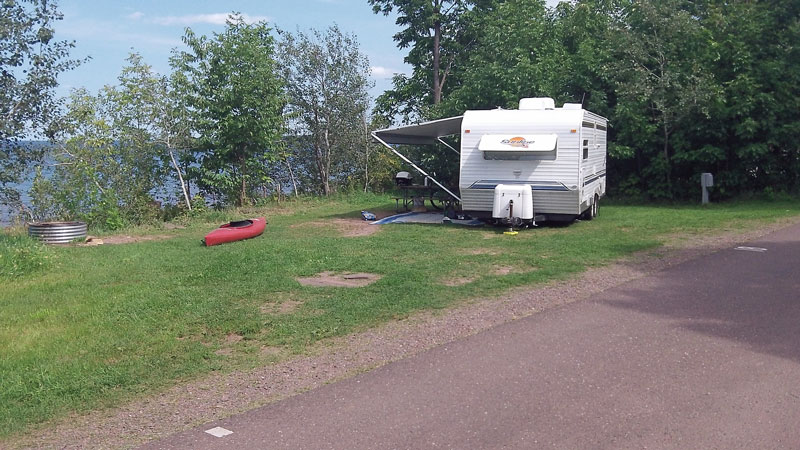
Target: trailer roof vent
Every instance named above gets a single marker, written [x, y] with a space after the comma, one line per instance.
[572, 106]
[537, 103]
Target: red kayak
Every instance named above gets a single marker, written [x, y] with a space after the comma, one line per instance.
[236, 231]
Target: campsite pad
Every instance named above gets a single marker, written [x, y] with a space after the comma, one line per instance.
[325, 279]
[425, 217]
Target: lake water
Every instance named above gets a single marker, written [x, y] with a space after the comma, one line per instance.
[165, 194]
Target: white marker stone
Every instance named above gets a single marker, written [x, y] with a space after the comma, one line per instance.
[751, 249]
[219, 432]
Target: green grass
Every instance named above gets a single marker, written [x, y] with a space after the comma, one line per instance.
[21, 255]
[97, 325]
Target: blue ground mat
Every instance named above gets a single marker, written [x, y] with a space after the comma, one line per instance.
[425, 217]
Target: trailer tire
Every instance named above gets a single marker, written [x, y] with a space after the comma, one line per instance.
[591, 211]
[586, 214]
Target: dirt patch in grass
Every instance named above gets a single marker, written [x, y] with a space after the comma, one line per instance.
[458, 281]
[345, 227]
[327, 279]
[507, 270]
[268, 350]
[122, 239]
[233, 338]
[284, 307]
[282, 303]
[483, 251]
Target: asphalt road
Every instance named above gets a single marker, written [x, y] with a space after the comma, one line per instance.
[705, 354]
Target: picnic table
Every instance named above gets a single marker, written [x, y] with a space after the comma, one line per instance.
[418, 194]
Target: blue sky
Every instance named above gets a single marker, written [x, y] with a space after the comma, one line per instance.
[109, 30]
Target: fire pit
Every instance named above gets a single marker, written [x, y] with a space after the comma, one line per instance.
[57, 232]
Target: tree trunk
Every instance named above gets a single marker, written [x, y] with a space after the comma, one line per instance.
[366, 155]
[326, 181]
[243, 174]
[180, 178]
[437, 36]
[666, 159]
[291, 176]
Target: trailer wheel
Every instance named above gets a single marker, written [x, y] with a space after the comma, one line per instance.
[591, 211]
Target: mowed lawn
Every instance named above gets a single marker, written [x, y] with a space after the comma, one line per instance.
[98, 325]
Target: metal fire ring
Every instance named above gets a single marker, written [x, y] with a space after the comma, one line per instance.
[57, 232]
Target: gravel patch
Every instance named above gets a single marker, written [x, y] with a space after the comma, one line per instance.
[218, 396]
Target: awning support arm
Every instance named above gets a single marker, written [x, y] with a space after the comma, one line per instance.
[441, 141]
[415, 166]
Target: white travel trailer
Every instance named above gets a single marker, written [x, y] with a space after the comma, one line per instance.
[531, 164]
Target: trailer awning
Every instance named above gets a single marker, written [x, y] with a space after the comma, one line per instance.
[421, 133]
[425, 133]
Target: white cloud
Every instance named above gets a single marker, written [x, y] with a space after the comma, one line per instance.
[213, 19]
[383, 72]
[135, 16]
[87, 29]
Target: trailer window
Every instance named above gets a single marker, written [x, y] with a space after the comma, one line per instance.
[585, 149]
[525, 147]
[519, 156]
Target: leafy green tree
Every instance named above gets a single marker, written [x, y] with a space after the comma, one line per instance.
[518, 55]
[327, 79]
[172, 127]
[110, 159]
[237, 99]
[438, 34]
[30, 62]
[583, 28]
[662, 79]
[751, 142]
[85, 162]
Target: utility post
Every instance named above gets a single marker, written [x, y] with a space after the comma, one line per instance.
[706, 181]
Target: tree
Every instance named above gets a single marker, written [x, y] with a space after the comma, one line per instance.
[30, 62]
[517, 55]
[327, 79]
[237, 98]
[438, 34]
[751, 143]
[173, 126]
[661, 78]
[107, 163]
[116, 150]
